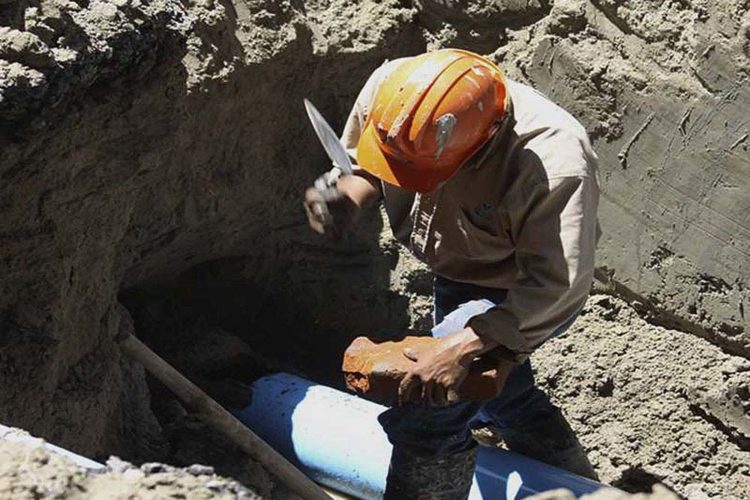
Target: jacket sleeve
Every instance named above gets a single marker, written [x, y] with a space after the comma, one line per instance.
[361, 110]
[356, 122]
[555, 230]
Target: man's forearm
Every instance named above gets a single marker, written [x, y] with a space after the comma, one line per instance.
[469, 345]
[362, 190]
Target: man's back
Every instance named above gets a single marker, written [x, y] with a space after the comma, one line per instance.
[520, 215]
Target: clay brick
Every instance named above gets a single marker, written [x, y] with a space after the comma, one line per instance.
[375, 369]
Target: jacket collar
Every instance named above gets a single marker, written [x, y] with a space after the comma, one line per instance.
[495, 142]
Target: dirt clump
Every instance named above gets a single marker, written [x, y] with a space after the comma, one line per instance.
[32, 472]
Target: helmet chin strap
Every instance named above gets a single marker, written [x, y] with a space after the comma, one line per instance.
[495, 136]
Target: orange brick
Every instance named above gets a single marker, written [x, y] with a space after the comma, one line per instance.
[375, 369]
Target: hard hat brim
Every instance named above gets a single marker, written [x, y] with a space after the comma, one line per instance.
[399, 173]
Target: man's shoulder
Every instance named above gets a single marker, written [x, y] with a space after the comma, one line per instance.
[548, 135]
[533, 109]
[377, 77]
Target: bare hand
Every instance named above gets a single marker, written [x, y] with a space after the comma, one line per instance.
[329, 211]
[437, 373]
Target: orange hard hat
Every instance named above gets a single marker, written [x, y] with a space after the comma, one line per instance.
[429, 116]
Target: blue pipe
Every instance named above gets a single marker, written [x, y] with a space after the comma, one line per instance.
[335, 438]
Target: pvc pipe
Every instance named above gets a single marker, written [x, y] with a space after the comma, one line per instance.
[18, 436]
[335, 438]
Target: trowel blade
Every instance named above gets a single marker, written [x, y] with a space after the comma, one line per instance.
[329, 139]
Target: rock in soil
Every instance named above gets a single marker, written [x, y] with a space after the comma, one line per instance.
[32, 472]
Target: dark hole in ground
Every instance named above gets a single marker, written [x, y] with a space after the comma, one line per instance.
[291, 306]
[606, 388]
[636, 480]
[294, 303]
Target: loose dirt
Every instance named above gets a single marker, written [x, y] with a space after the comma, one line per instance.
[651, 404]
[31, 472]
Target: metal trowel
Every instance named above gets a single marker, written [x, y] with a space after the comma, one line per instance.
[336, 152]
[332, 145]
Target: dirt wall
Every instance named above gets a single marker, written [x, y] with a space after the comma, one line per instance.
[175, 135]
[662, 87]
[651, 405]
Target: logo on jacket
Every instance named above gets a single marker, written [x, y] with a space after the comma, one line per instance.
[484, 211]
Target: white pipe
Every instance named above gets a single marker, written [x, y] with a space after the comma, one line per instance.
[336, 439]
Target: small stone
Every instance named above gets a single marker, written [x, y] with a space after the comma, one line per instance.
[133, 475]
[215, 485]
[164, 479]
[200, 470]
[31, 14]
[118, 465]
[154, 468]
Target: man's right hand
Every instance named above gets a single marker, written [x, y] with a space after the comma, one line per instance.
[329, 211]
[333, 206]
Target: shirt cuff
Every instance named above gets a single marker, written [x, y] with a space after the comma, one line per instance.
[502, 326]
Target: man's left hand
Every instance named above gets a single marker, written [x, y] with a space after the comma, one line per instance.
[437, 373]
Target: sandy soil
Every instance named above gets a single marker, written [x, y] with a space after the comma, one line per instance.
[29, 472]
[651, 404]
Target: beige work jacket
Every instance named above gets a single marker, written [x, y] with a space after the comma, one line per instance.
[520, 215]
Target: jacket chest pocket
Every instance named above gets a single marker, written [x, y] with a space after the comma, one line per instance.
[476, 232]
[480, 219]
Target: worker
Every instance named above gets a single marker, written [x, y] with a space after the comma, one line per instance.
[494, 187]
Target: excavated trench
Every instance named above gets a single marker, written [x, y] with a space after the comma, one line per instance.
[154, 155]
[300, 315]
[643, 399]
[650, 405]
[293, 306]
